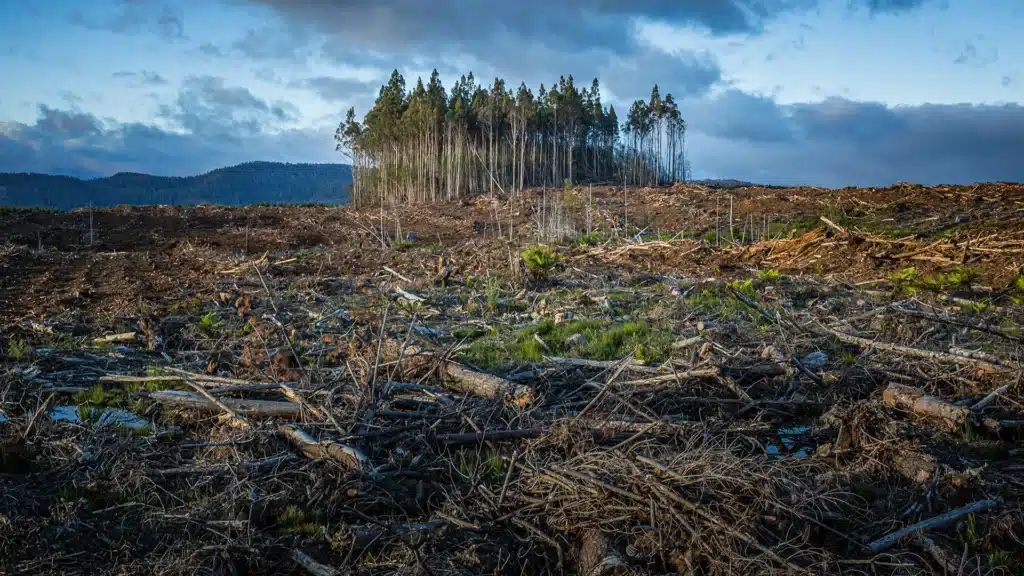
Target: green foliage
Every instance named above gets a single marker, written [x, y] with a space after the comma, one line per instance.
[294, 520]
[539, 260]
[591, 239]
[436, 247]
[769, 275]
[403, 245]
[909, 281]
[209, 325]
[17, 348]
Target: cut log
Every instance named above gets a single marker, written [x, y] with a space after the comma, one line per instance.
[248, 408]
[598, 556]
[916, 401]
[114, 338]
[488, 386]
[351, 458]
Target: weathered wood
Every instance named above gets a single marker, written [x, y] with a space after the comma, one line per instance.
[918, 402]
[112, 338]
[598, 556]
[227, 409]
[373, 534]
[890, 540]
[312, 566]
[488, 385]
[675, 376]
[351, 458]
[908, 351]
[249, 408]
[635, 365]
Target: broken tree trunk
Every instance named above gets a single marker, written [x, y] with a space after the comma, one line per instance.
[598, 556]
[248, 408]
[916, 401]
[488, 385]
[348, 456]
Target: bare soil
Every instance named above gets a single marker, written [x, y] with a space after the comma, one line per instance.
[752, 381]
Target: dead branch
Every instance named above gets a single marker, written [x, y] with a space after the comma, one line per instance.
[312, 566]
[890, 540]
[248, 408]
[908, 351]
[351, 458]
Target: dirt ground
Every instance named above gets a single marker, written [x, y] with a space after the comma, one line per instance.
[680, 380]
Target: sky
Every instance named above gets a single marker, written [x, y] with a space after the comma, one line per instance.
[818, 92]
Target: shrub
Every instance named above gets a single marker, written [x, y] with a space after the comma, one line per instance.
[539, 260]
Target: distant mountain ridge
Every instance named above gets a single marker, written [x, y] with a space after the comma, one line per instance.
[247, 183]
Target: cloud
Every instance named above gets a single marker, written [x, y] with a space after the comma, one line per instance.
[976, 54]
[145, 77]
[686, 74]
[839, 142]
[137, 16]
[210, 125]
[892, 6]
[207, 106]
[469, 26]
[337, 89]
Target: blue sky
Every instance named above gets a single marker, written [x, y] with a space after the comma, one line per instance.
[824, 92]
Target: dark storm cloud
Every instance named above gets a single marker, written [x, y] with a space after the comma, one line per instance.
[135, 16]
[840, 142]
[470, 24]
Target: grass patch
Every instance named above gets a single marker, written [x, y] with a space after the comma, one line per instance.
[910, 281]
[403, 245]
[769, 275]
[295, 521]
[603, 340]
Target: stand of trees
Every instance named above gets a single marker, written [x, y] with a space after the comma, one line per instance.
[426, 144]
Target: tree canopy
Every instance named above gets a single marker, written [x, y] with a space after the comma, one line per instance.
[427, 144]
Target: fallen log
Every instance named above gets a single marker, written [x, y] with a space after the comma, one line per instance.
[890, 540]
[116, 338]
[488, 385]
[917, 352]
[351, 458]
[248, 408]
[918, 402]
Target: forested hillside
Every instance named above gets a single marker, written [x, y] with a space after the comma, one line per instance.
[249, 183]
[427, 144]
